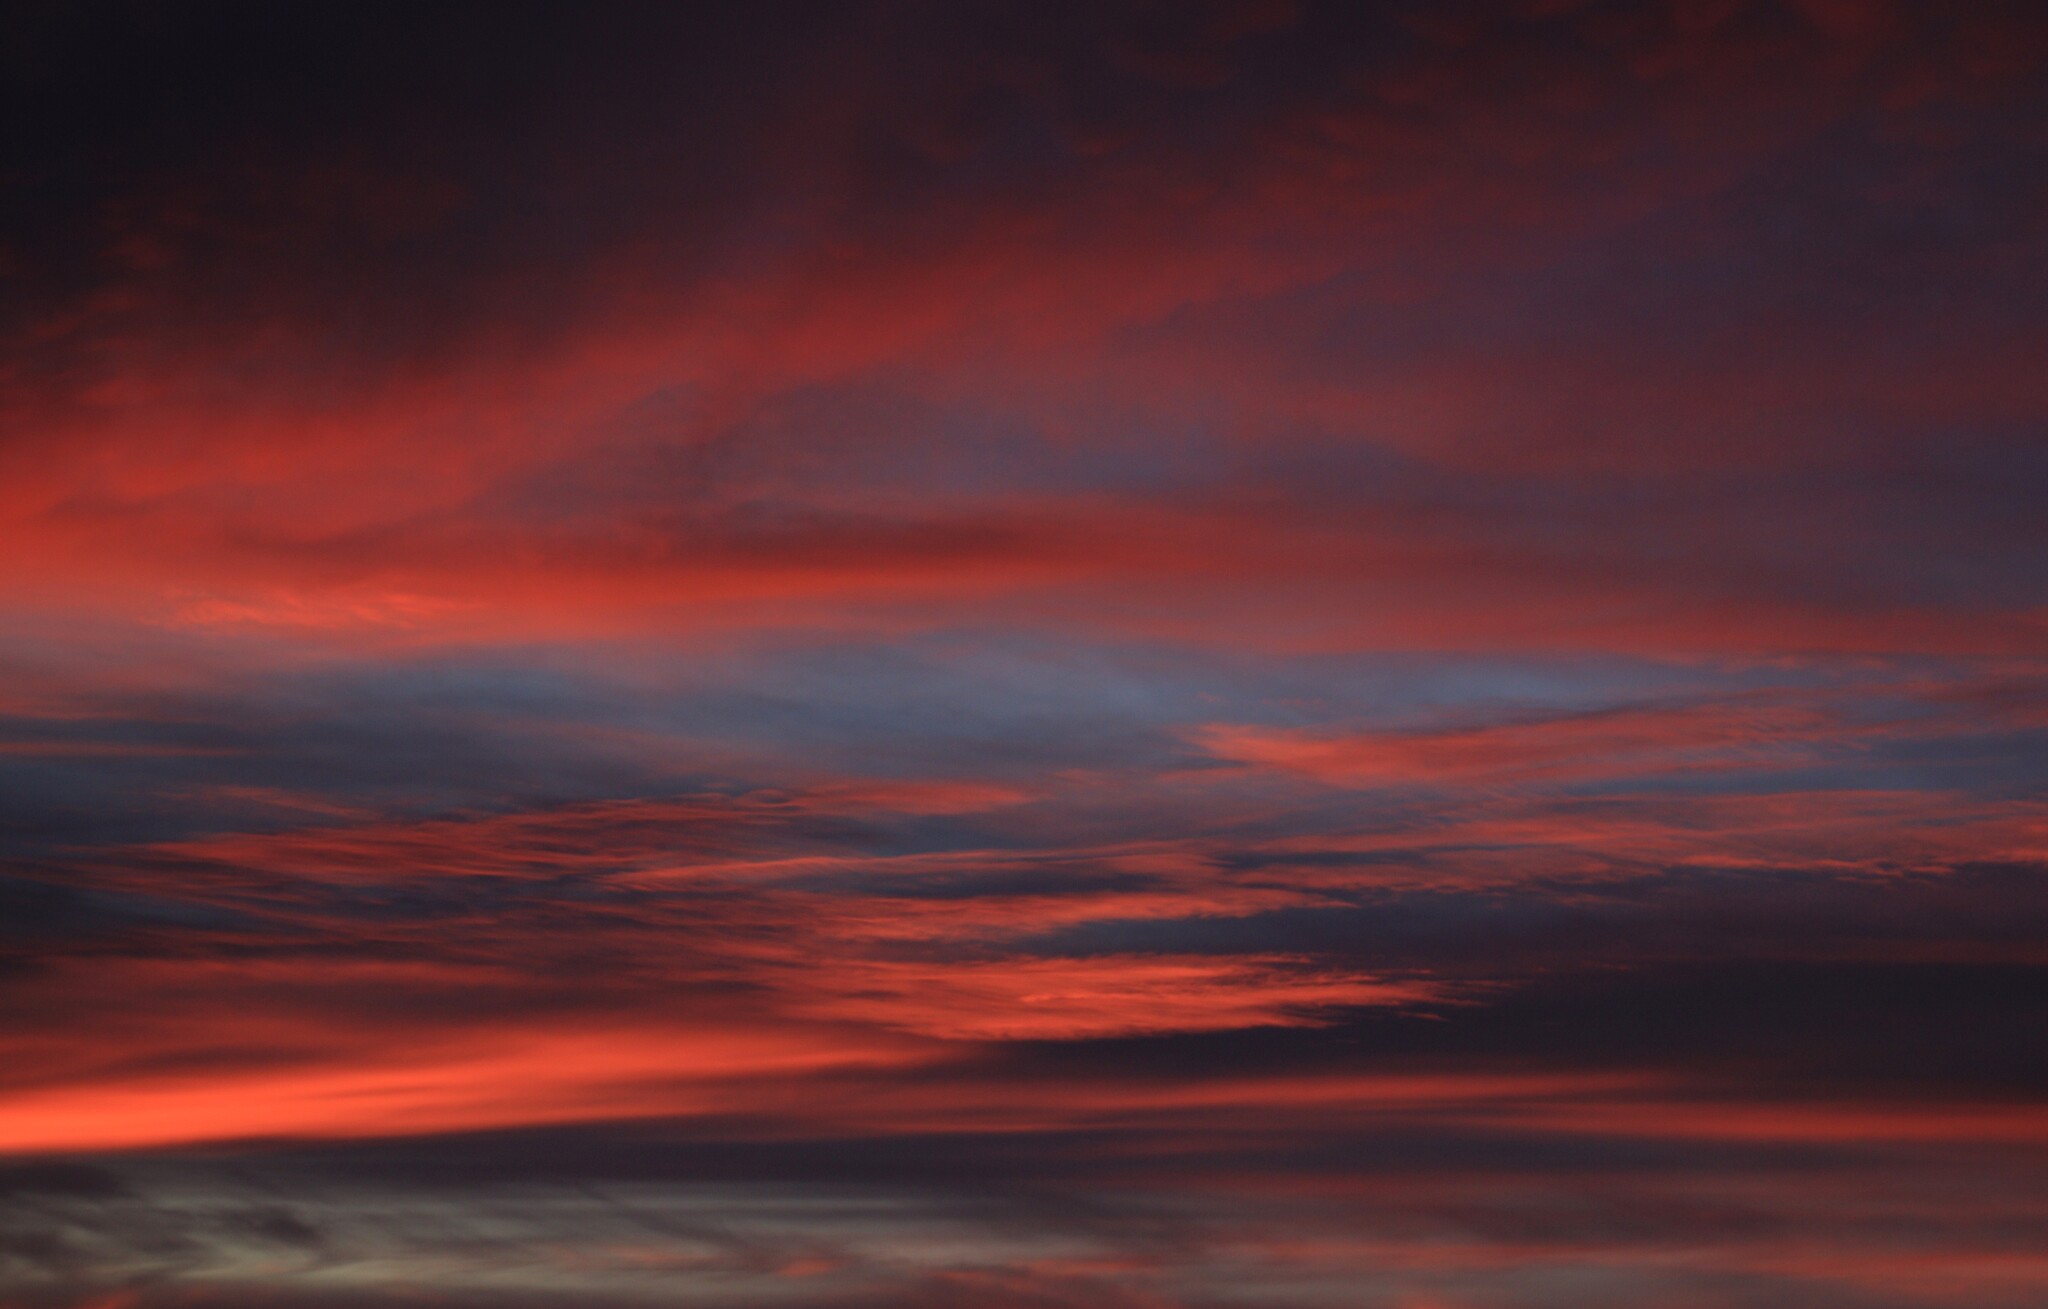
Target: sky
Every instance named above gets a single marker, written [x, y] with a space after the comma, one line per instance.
[987, 655]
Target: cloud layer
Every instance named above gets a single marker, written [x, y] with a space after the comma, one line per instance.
[1167, 657]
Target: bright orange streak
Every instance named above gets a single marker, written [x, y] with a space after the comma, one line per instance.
[459, 1082]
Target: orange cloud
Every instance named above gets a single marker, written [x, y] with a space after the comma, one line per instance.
[1610, 743]
[1122, 995]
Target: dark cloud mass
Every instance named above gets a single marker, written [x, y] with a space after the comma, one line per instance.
[1015, 656]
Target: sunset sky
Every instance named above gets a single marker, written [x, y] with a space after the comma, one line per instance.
[977, 655]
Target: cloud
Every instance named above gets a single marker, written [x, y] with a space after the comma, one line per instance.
[1377, 655]
[1320, 304]
[1102, 995]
